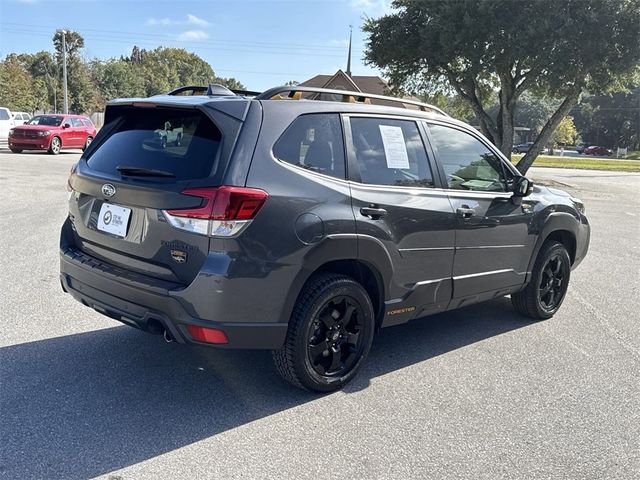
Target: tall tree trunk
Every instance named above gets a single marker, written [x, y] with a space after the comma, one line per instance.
[545, 135]
[506, 114]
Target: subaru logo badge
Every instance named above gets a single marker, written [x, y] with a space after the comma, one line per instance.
[108, 190]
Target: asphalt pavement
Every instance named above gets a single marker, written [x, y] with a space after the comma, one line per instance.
[479, 393]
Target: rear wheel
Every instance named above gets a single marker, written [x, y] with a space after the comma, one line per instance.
[329, 336]
[544, 294]
[87, 143]
[55, 146]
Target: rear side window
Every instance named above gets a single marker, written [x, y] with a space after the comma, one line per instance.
[390, 152]
[182, 142]
[313, 142]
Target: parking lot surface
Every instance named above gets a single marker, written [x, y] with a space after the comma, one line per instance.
[479, 393]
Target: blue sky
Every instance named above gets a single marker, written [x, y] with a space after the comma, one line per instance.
[262, 43]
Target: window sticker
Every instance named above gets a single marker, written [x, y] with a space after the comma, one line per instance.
[395, 148]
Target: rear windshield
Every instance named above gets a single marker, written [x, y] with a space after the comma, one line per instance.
[182, 142]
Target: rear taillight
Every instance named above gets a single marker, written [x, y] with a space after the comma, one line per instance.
[224, 212]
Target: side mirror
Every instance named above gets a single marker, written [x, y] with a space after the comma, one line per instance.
[522, 187]
[66, 125]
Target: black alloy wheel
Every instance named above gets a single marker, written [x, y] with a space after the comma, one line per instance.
[335, 343]
[545, 292]
[329, 336]
[552, 286]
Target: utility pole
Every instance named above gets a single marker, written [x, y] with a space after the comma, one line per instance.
[64, 72]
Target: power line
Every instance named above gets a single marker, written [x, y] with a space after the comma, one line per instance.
[114, 34]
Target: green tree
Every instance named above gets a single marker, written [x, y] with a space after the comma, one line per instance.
[566, 133]
[610, 120]
[479, 47]
[230, 82]
[17, 89]
[83, 96]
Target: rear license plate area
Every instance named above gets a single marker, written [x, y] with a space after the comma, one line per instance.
[114, 219]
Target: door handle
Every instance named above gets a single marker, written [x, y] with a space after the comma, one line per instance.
[465, 212]
[373, 213]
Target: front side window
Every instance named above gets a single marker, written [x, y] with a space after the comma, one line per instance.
[75, 122]
[313, 142]
[467, 162]
[4, 115]
[390, 152]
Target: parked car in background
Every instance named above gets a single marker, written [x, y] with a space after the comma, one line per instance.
[523, 147]
[53, 133]
[595, 150]
[6, 122]
[20, 118]
[581, 146]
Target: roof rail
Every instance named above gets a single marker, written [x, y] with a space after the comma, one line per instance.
[211, 89]
[347, 96]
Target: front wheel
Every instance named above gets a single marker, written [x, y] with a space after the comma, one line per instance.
[55, 146]
[87, 143]
[330, 334]
[544, 294]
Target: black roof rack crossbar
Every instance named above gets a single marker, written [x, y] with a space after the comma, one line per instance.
[359, 97]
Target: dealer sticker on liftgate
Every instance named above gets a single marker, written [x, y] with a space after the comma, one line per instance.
[114, 219]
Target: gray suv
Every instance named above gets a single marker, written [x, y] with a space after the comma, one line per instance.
[303, 220]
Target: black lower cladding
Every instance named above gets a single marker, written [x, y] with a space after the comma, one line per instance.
[152, 308]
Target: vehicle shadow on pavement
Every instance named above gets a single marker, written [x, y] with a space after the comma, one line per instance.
[84, 405]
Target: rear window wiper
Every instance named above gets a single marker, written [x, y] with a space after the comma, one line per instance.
[143, 172]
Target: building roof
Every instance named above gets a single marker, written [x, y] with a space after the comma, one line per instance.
[360, 83]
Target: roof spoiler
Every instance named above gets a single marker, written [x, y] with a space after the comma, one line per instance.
[212, 90]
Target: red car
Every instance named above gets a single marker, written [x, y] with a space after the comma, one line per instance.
[595, 150]
[52, 133]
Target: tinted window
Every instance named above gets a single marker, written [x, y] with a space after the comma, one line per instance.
[313, 142]
[49, 120]
[4, 115]
[390, 152]
[75, 122]
[467, 162]
[181, 142]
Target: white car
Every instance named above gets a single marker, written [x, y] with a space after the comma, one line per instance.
[6, 124]
[20, 118]
[169, 135]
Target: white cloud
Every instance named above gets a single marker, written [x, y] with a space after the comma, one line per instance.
[190, 20]
[371, 8]
[159, 21]
[193, 20]
[191, 35]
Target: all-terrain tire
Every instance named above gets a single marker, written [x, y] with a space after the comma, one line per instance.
[294, 359]
[531, 301]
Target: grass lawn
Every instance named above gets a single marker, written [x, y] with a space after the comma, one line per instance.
[583, 163]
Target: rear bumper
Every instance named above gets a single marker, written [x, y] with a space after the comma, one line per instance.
[153, 307]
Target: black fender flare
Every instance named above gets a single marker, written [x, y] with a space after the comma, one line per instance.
[555, 221]
[362, 248]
